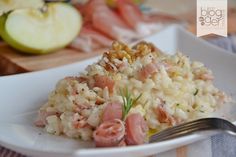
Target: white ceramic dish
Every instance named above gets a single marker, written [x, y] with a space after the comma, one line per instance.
[21, 96]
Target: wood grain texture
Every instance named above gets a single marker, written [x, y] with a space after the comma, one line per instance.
[12, 62]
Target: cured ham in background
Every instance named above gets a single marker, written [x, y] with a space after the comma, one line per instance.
[123, 21]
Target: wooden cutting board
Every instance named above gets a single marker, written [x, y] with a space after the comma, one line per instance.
[12, 61]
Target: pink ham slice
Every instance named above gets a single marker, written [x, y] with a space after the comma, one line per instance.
[106, 20]
[109, 23]
[136, 129]
[133, 16]
[109, 134]
[142, 23]
[104, 81]
[42, 115]
[90, 7]
[112, 111]
[90, 39]
[96, 36]
[130, 13]
[126, 23]
[84, 43]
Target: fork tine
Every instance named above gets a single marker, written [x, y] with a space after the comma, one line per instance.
[179, 128]
[193, 126]
[179, 134]
[224, 124]
[170, 134]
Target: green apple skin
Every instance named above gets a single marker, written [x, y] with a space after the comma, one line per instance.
[32, 47]
[11, 41]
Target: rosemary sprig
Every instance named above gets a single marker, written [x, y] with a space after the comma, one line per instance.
[195, 93]
[128, 101]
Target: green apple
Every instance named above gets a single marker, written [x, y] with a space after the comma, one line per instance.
[41, 30]
[9, 5]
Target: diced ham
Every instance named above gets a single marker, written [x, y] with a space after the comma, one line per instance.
[79, 121]
[79, 124]
[112, 111]
[147, 71]
[136, 129]
[79, 107]
[104, 81]
[109, 134]
[99, 101]
[41, 119]
[82, 79]
[164, 117]
[206, 77]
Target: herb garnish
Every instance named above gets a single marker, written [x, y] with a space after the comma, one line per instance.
[128, 101]
[195, 93]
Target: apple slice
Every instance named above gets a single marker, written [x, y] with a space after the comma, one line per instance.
[9, 5]
[41, 30]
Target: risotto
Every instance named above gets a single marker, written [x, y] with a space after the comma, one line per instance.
[134, 92]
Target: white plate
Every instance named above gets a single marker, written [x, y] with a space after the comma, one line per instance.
[21, 95]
